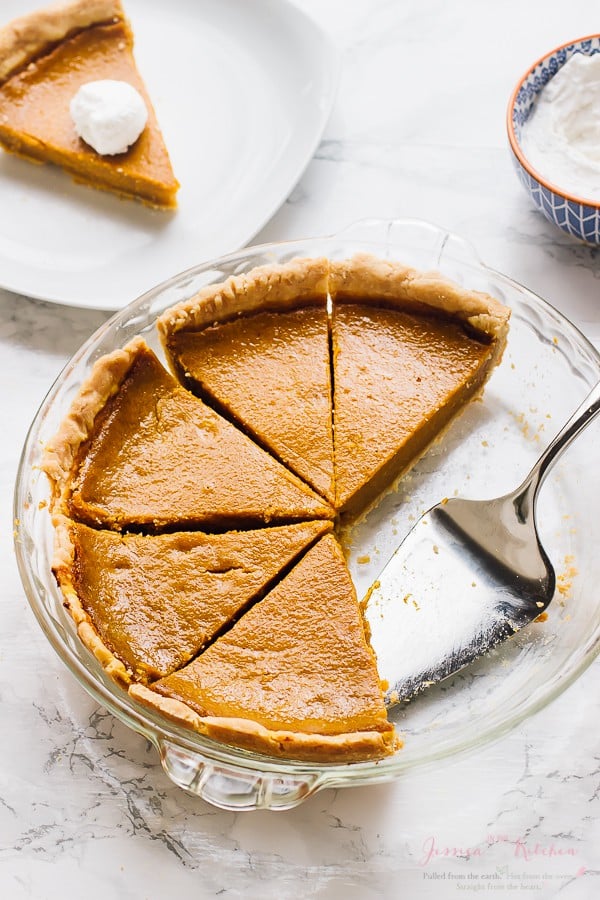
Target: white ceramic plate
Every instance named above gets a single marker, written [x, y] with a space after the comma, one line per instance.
[242, 91]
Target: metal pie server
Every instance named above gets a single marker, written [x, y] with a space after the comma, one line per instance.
[469, 574]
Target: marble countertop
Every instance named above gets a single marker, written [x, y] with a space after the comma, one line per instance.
[85, 808]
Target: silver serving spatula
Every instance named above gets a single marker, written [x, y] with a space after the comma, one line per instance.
[469, 574]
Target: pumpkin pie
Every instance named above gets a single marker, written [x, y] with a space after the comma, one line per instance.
[294, 676]
[45, 57]
[138, 451]
[410, 350]
[161, 486]
[146, 604]
[257, 348]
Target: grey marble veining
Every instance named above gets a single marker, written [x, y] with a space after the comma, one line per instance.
[85, 809]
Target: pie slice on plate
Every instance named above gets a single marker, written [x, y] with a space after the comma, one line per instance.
[294, 677]
[257, 347]
[45, 57]
[146, 604]
[410, 350]
[139, 451]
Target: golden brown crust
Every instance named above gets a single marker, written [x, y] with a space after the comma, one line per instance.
[367, 277]
[272, 287]
[60, 453]
[363, 276]
[62, 566]
[349, 747]
[23, 39]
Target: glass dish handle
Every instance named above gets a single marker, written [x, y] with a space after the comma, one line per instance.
[234, 787]
[428, 240]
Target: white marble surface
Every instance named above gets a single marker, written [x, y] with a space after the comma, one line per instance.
[85, 809]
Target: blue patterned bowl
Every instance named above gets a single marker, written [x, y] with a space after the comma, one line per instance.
[576, 216]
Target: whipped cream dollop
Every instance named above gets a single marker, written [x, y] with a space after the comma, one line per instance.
[109, 115]
[561, 138]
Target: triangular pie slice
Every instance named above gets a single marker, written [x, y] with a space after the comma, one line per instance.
[294, 677]
[409, 351]
[45, 57]
[146, 604]
[139, 451]
[257, 347]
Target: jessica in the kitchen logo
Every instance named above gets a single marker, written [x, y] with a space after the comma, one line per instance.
[521, 848]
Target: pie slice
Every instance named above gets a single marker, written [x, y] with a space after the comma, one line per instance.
[409, 351]
[257, 348]
[139, 451]
[294, 677]
[45, 57]
[146, 604]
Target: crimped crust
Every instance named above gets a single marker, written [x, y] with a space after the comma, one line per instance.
[60, 453]
[348, 747]
[62, 566]
[363, 277]
[23, 39]
[273, 287]
[367, 278]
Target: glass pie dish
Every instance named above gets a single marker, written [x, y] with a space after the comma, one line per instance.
[547, 369]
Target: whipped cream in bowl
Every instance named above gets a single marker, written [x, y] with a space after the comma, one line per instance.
[553, 126]
[108, 115]
[561, 138]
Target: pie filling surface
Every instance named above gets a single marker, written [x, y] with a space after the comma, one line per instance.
[157, 600]
[159, 458]
[245, 366]
[297, 663]
[415, 372]
[193, 527]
